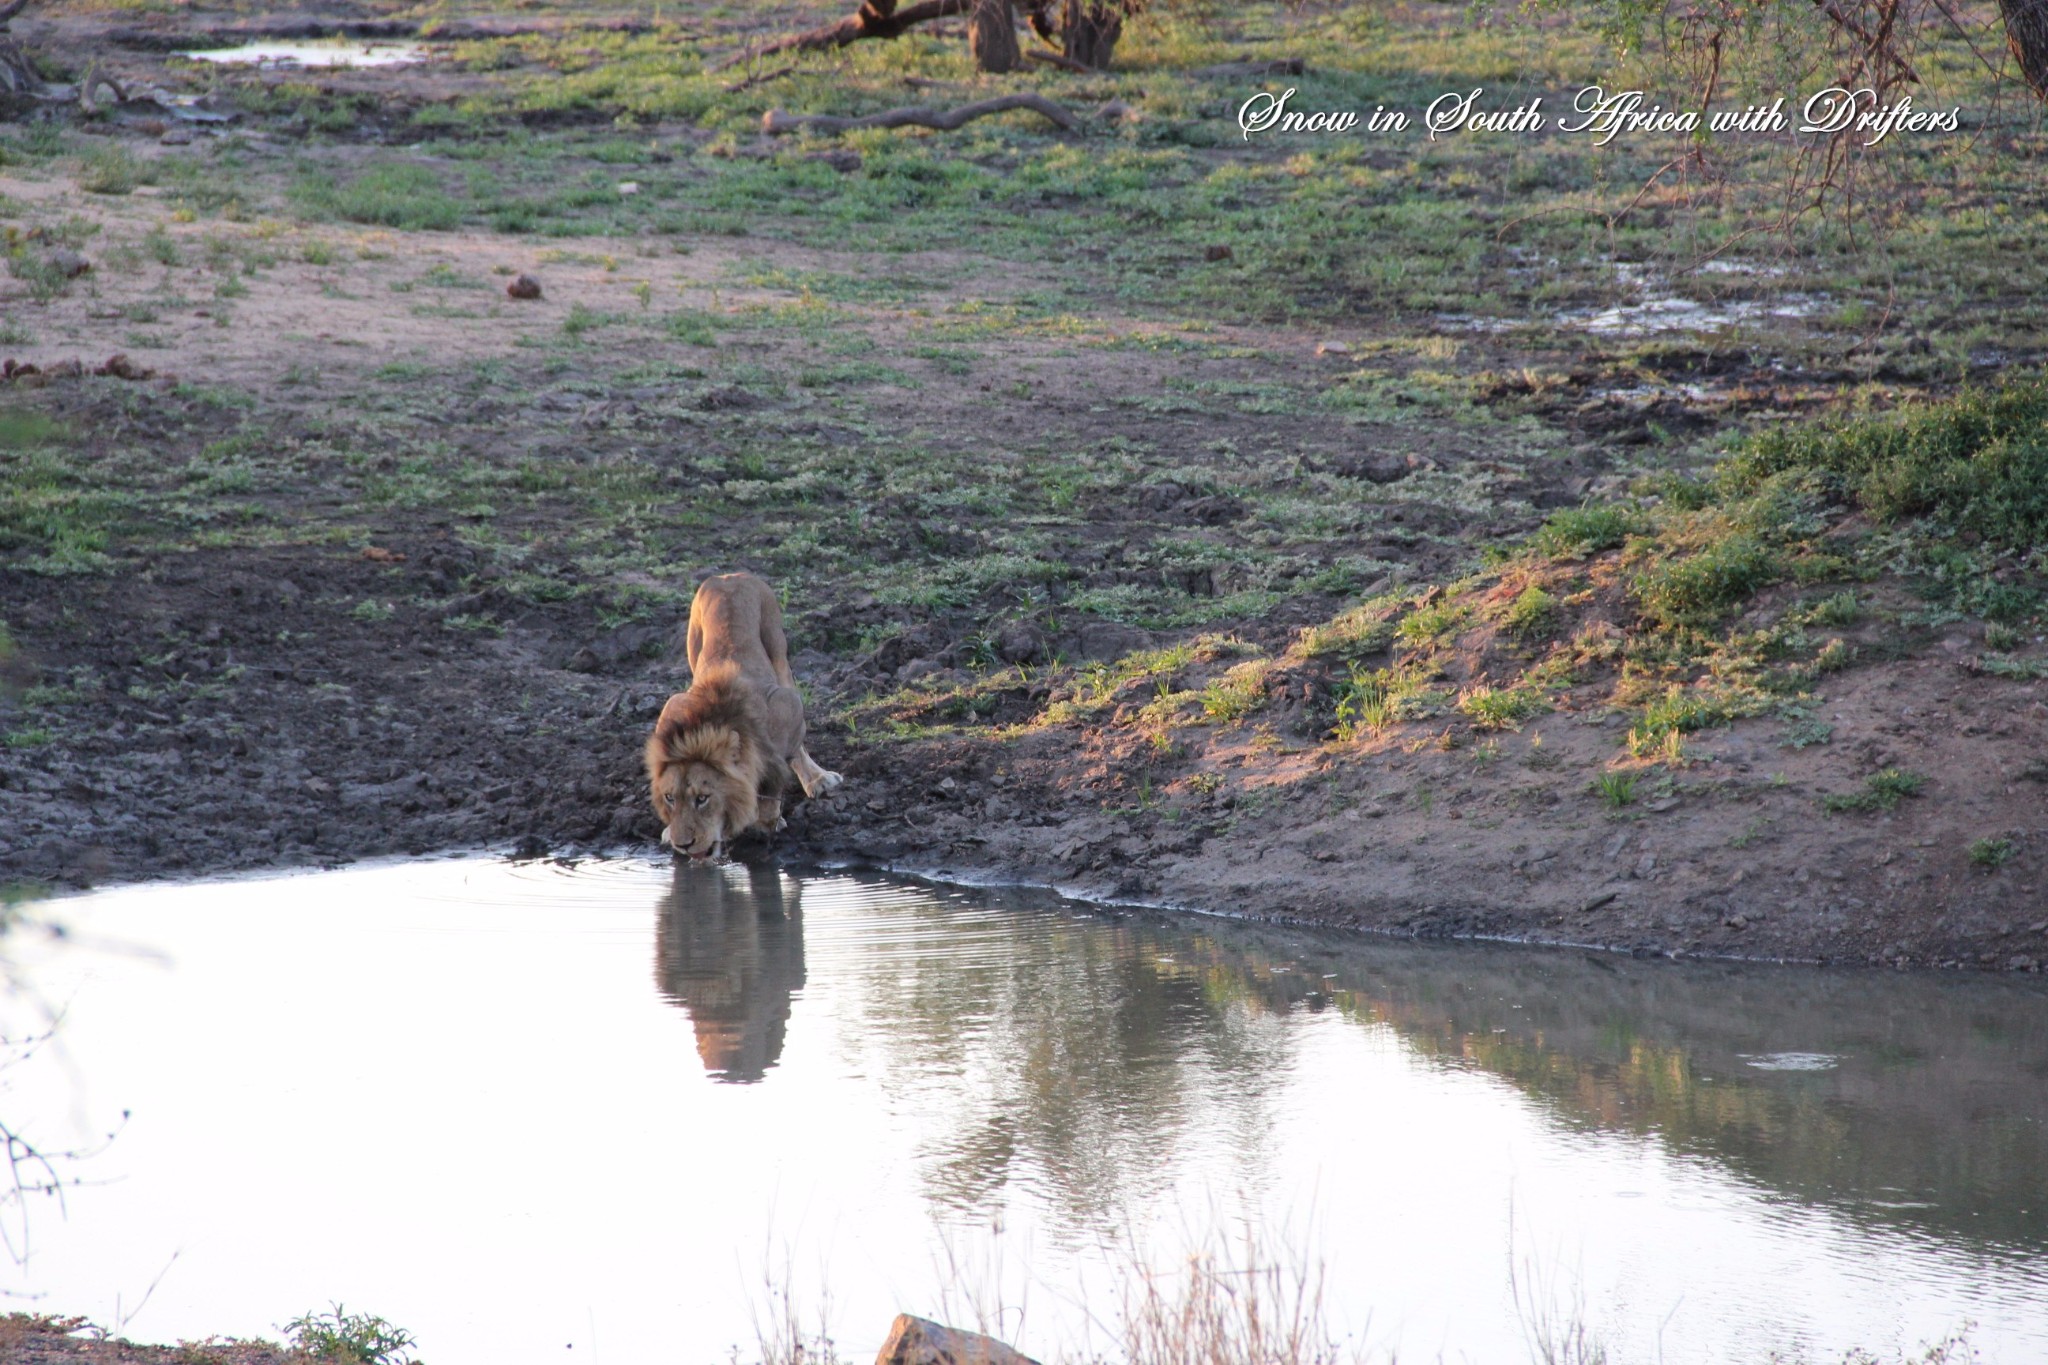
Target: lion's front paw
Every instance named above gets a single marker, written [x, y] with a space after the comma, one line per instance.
[827, 781]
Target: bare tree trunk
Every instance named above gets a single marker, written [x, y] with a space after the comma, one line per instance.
[992, 36]
[18, 79]
[2026, 33]
[1089, 30]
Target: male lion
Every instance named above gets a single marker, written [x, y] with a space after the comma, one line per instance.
[722, 753]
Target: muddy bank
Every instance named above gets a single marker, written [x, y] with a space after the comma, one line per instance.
[231, 710]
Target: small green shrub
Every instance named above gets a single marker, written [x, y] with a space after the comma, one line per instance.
[1532, 613]
[111, 169]
[1500, 708]
[344, 1338]
[1991, 854]
[1425, 627]
[1616, 789]
[1354, 632]
[1576, 531]
[1881, 791]
[1365, 703]
[1237, 693]
[1699, 588]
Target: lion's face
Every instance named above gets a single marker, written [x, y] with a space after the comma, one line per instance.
[695, 804]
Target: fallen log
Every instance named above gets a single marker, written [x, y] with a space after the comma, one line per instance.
[776, 121]
[874, 19]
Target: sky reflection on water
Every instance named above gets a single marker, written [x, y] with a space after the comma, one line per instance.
[446, 1093]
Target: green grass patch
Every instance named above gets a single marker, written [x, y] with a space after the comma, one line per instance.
[1882, 790]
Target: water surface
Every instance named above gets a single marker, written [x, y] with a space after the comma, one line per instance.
[624, 1112]
[311, 52]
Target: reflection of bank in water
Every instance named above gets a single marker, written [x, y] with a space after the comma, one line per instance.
[729, 949]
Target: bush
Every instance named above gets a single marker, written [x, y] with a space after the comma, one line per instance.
[1696, 589]
[346, 1338]
[1977, 462]
[1583, 530]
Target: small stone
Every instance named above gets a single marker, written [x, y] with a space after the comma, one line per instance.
[628, 187]
[70, 264]
[176, 137]
[1659, 807]
[1116, 111]
[121, 367]
[523, 287]
[1218, 252]
[1737, 921]
[920, 1341]
[1332, 348]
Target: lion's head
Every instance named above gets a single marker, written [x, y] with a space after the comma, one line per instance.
[708, 763]
[705, 785]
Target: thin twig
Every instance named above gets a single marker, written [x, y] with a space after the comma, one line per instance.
[1061, 59]
[761, 78]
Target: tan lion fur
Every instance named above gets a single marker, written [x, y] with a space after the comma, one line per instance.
[723, 753]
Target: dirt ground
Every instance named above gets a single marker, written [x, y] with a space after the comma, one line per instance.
[395, 684]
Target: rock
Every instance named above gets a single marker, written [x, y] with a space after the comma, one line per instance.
[70, 264]
[176, 137]
[1116, 111]
[1157, 497]
[841, 159]
[523, 287]
[1391, 470]
[119, 366]
[1218, 509]
[920, 1341]
[1106, 641]
[1218, 252]
[1332, 348]
[1019, 644]
[629, 187]
[919, 668]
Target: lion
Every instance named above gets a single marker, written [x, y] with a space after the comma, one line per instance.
[723, 753]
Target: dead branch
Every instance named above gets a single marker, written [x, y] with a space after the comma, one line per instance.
[1059, 59]
[1875, 45]
[1279, 66]
[760, 78]
[775, 121]
[874, 19]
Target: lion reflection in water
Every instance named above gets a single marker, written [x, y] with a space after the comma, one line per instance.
[729, 949]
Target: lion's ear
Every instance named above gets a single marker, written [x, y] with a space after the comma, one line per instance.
[735, 750]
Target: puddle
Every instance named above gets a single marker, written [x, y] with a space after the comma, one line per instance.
[316, 52]
[1671, 313]
[1791, 1061]
[536, 1113]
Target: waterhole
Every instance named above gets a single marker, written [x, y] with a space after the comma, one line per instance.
[311, 52]
[621, 1111]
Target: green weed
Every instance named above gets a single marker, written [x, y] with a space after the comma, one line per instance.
[1881, 791]
[346, 1338]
